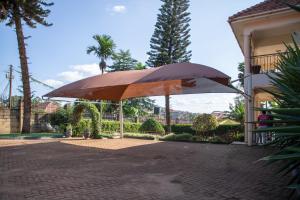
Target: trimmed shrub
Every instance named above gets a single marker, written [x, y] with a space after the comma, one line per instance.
[181, 128]
[226, 129]
[204, 123]
[80, 127]
[114, 126]
[152, 126]
[184, 137]
[139, 136]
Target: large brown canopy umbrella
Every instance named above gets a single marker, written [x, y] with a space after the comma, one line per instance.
[173, 79]
[180, 78]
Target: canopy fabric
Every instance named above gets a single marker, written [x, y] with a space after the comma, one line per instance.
[173, 79]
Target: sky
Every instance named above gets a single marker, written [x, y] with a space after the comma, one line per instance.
[57, 54]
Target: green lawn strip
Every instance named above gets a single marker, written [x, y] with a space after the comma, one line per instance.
[30, 136]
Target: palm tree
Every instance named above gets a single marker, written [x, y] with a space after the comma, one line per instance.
[32, 12]
[104, 49]
[286, 120]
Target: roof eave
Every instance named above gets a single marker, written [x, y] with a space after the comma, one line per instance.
[258, 15]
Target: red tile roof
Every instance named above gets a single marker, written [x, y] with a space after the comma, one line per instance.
[267, 5]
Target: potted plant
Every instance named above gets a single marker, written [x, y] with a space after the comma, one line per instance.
[87, 132]
[69, 131]
[255, 69]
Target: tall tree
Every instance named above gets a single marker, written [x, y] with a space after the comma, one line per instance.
[122, 61]
[103, 50]
[170, 40]
[32, 12]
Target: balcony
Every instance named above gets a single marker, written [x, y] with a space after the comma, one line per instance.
[267, 62]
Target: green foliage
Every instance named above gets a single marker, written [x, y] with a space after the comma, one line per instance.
[140, 136]
[114, 126]
[80, 127]
[184, 137]
[237, 111]
[228, 129]
[61, 117]
[140, 66]
[103, 50]
[93, 111]
[152, 126]
[181, 128]
[122, 61]
[137, 107]
[204, 123]
[286, 122]
[170, 39]
[241, 75]
[31, 12]
[69, 127]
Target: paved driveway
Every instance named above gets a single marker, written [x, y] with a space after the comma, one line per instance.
[133, 169]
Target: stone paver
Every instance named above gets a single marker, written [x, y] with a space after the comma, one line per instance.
[134, 169]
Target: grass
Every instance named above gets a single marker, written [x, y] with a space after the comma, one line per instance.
[30, 135]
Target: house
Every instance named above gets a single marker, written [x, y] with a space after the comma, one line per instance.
[260, 32]
[220, 114]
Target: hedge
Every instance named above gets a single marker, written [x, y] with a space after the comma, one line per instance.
[220, 130]
[139, 136]
[184, 137]
[114, 126]
[181, 128]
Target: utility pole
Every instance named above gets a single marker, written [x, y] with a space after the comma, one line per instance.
[10, 78]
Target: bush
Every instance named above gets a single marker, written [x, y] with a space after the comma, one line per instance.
[61, 117]
[139, 136]
[169, 137]
[80, 127]
[93, 111]
[152, 126]
[181, 128]
[114, 126]
[204, 123]
[184, 137]
[217, 140]
[226, 129]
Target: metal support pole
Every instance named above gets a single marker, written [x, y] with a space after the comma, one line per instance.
[10, 77]
[121, 118]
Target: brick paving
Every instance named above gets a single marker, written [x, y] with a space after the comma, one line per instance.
[134, 169]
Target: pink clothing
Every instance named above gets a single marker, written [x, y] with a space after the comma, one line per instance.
[261, 119]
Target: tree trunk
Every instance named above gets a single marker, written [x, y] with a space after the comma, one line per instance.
[24, 70]
[168, 117]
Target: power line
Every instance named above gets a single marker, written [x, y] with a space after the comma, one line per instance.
[36, 80]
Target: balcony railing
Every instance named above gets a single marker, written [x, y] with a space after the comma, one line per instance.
[268, 62]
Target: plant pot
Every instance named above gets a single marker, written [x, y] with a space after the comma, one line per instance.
[255, 69]
[86, 134]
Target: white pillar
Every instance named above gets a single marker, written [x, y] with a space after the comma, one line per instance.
[249, 118]
[121, 118]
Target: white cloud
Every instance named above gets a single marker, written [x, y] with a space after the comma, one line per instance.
[53, 83]
[70, 76]
[78, 72]
[87, 69]
[119, 9]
